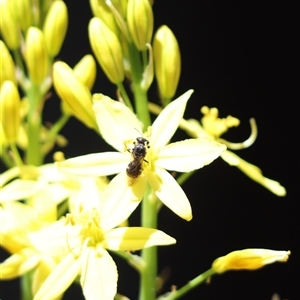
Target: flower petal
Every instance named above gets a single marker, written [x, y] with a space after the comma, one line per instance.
[96, 164]
[136, 238]
[189, 155]
[99, 275]
[117, 123]
[120, 199]
[170, 193]
[168, 120]
[254, 173]
[18, 264]
[66, 271]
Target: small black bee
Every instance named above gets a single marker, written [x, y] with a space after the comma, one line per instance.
[139, 151]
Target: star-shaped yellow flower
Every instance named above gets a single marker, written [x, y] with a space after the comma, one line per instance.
[118, 125]
[82, 241]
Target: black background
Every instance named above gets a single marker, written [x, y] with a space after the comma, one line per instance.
[243, 59]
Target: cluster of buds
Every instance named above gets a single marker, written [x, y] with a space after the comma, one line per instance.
[119, 31]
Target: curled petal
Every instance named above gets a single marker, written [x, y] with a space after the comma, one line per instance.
[170, 193]
[136, 238]
[189, 155]
[254, 173]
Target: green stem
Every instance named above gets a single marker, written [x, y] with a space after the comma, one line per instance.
[184, 176]
[140, 97]
[189, 286]
[34, 153]
[148, 276]
[26, 284]
[16, 155]
[134, 260]
[124, 95]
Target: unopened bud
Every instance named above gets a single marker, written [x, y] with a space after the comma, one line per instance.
[140, 22]
[85, 70]
[71, 90]
[55, 27]
[7, 66]
[8, 26]
[10, 110]
[36, 55]
[167, 62]
[107, 49]
[22, 12]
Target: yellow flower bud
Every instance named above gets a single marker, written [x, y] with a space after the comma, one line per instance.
[10, 110]
[249, 259]
[102, 11]
[167, 62]
[55, 27]
[85, 70]
[8, 26]
[71, 90]
[7, 66]
[140, 22]
[36, 55]
[22, 12]
[107, 49]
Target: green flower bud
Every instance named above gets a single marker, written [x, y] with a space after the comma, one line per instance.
[167, 62]
[71, 90]
[36, 55]
[7, 71]
[8, 26]
[55, 27]
[22, 12]
[140, 22]
[107, 49]
[85, 70]
[10, 110]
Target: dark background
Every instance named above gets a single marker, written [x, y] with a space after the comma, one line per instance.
[243, 59]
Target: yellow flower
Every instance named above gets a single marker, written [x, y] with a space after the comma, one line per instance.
[118, 125]
[83, 242]
[213, 127]
[249, 259]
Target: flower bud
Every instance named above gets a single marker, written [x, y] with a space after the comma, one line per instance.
[107, 49]
[36, 55]
[140, 22]
[249, 259]
[85, 70]
[55, 27]
[102, 11]
[167, 62]
[7, 65]
[8, 26]
[71, 90]
[22, 12]
[10, 110]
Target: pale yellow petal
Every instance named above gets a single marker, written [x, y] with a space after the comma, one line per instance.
[170, 193]
[254, 173]
[51, 173]
[8, 175]
[18, 264]
[97, 164]
[99, 275]
[189, 155]
[117, 123]
[120, 199]
[18, 189]
[168, 120]
[136, 238]
[60, 278]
